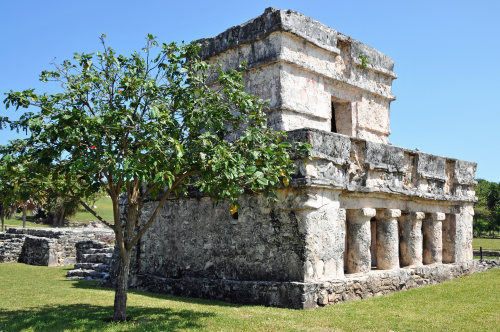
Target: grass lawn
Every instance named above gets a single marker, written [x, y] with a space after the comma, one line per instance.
[487, 244]
[34, 298]
[15, 222]
[104, 209]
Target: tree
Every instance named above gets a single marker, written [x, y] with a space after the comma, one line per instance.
[15, 188]
[6, 191]
[162, 120]
[487, 208]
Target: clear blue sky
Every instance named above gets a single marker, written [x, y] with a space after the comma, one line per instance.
[446, 53]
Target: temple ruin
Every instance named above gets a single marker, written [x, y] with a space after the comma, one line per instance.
[362, 218]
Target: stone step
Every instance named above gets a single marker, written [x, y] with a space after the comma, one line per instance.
[86, 274]
[106, 250]
[92, 266]
[96, 258]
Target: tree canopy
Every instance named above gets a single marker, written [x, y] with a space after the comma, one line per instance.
[155, 124]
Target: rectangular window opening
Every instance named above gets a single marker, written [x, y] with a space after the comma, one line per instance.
[333, 123]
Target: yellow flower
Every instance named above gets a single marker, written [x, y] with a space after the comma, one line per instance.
[286, 182]
[233, 209]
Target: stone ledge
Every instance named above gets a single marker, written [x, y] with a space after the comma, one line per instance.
[308, 295]
[353, 164]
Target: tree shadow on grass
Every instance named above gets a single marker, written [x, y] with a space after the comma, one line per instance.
[87, 284]
[90, 317]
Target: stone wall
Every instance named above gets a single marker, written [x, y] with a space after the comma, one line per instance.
[347, 163]
[309, 295]
[47, 246]
[198, 239]
[352, 207]
[309, 72]
[11, 246]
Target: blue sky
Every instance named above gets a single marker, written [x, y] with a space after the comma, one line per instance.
[446, 53]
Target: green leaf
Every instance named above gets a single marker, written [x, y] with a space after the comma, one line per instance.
[263, 181]
[285, 145]
[250, 170]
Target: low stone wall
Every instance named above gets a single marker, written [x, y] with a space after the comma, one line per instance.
[49, 246]
[308, 295]
[379, 283]
[488, 253]
[11, 246]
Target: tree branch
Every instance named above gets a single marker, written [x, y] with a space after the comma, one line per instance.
[88, 208]
[158, 209]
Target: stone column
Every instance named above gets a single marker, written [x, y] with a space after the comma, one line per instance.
[410, 238]
[387, 239]
[373, 246]
[449, 238]
[358, 240]
[433, 238]
[463, 245]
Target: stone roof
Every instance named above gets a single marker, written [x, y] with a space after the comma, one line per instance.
[302, 26]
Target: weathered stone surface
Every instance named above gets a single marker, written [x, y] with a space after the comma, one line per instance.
[431, 167]
[433, 235]
[384, 157]
[11, 246]
[47, 246]
[272, 20]
[387, 239]
[410, 238]
[308, 295]
[359, 240]
[326, 146]
[464, 172]
[377, 283]
[92, 262]
[303, 237]
[358, 165]
[310, 73]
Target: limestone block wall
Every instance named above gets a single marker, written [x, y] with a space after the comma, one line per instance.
[309, 73]
[46, 247]
[11, 246]
[355, 205]
[288, 240]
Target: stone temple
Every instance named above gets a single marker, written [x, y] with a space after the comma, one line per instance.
[362, 218]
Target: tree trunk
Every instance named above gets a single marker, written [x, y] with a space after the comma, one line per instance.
[120, 313]
[60, 222]
[2, 216]
[25, 210]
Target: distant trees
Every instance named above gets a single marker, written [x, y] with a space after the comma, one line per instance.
[487, 208]
[23, 188]
[14, 189]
